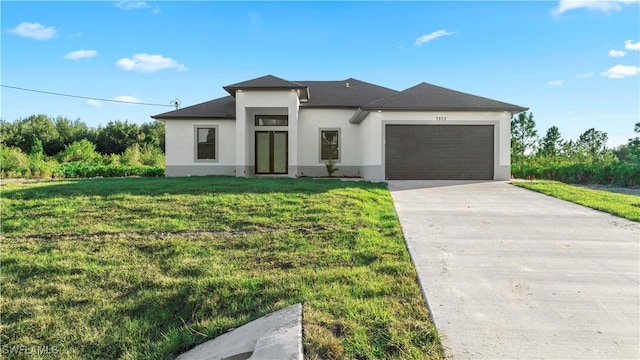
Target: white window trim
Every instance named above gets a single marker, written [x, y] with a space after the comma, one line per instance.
[339, 159]
[195, 143]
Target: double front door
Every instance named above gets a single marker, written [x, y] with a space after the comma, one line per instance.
[271, 152]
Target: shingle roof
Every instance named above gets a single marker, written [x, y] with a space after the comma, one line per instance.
[343, 93]
[265, 82]
[431, 97]
[351, 93]
[224, 107]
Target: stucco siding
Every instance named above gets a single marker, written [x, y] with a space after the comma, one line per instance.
[374, 149]
[180, 142]
[259, 102]
[311, 122]
[361, 145]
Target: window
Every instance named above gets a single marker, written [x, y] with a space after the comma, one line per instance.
[206, 143]
[272, 120]
[330, 145]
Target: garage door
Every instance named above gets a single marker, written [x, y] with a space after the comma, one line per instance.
[439, 152]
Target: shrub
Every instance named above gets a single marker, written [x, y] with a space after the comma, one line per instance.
[131, 156]
[145, 154]
[83, 150]
[12, 159]
[606, 171]
[331, 167]
[151, 155]
[81, 170]
[42, 168]
[111, 159]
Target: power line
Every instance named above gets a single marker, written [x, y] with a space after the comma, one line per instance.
[174, 103]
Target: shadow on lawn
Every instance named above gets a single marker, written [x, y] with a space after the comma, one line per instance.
[202, 185]
[140, 312]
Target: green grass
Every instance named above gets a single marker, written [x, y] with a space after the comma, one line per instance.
[148, 268]
[623, 205]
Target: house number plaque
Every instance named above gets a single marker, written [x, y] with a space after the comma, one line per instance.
[441, 118]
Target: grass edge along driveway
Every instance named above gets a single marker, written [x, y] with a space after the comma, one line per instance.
[623, 205]
[148, 268]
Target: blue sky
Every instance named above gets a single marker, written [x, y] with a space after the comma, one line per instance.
[574, 63]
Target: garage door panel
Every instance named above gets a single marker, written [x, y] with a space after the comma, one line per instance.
[448, 174]
[439, 152]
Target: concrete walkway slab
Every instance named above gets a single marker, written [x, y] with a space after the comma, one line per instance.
[513, 274]
[274, 336]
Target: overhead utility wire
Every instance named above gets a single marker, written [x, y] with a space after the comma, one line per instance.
[173, 103]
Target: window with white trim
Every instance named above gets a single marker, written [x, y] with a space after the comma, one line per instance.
[206, 143]
[271, 120]
[329, 144]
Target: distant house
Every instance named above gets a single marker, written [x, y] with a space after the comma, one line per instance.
[272, 126]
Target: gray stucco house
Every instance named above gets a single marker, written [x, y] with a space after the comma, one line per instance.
[272, 126]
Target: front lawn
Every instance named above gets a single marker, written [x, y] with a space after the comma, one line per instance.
[623, 205]
[148, 268]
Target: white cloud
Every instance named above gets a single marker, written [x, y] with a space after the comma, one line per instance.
[617, 53]
[33, 31]
[621, 71]
[149, 63]
[127, 98]
[434, 35]
[81, 54]
[630, 45]
[254, 18]
[94, 103]
[137, 5]
[601, 5]
[584, 75]
[132, 5]
[556, 83]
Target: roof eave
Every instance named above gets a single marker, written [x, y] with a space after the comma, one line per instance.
[223, 117]
[232, 89]
[315, 106]
[358, 116]
[513, 110]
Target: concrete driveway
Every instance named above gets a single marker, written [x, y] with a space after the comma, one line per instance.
[509, 273]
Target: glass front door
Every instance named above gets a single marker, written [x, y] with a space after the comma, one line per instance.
[271, 152]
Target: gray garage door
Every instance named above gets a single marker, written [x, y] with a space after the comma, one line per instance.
[439, 152]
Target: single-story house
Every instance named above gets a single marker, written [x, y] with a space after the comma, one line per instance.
[272, 126]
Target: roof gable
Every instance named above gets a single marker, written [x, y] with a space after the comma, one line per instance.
[431, 97]
[267, 82]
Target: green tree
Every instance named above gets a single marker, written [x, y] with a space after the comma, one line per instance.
[593, 143]
[25, 131]
[568, 148]
[116, 137]
[551, 143]
[37, 150]
[523, 135]
[8, 136]
[630, 152]
[153, 134]
[634, 143]
[76, 130]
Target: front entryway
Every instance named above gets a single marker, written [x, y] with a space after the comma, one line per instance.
[272, 152]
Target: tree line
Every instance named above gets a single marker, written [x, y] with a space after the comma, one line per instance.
[585, 160]
[55, 134]
[42, 146]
